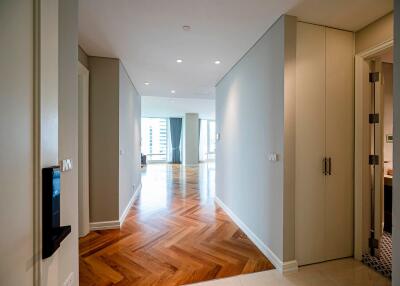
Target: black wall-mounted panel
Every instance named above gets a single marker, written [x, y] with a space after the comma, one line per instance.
[52, 232]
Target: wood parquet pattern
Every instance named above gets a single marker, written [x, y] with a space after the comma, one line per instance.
[174, 234]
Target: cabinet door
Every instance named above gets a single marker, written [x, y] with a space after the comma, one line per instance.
[339, 226]
[310, 144]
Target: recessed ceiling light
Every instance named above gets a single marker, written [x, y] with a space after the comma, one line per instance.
[217, 62]
[186, 28]
[147, 83]
[179, 61]
[173, 91]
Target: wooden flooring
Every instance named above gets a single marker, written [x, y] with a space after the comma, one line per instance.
[174, 234]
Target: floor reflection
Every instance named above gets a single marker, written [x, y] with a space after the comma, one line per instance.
[164, 185]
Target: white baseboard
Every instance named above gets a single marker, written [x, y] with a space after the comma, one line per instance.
[101, 225]
[279, 265]
[115, 224]
[128, 207]
[290, 266]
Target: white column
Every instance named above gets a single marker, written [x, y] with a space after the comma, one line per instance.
[191, 139]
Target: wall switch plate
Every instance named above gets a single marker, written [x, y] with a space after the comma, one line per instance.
[70, 280]
[218, 136]
[273, 157]
[66, 165]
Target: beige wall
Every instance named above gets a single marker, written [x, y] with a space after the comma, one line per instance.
[396, 151]
[289, 139]
[387, 73]
[254, 105]
[115, 116]
[16, 143]
[375, 33]
[83, 57]
[103, 139]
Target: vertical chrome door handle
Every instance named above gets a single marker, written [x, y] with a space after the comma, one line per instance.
[324, 164]
[330, 166]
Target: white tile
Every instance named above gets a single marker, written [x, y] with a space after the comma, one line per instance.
[270, 277]
[343, 272]
[232, 281]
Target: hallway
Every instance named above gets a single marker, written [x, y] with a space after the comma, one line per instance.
[173, 235]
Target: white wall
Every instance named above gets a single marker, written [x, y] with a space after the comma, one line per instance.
[396, 150]
[58, 88]
[250, 117]
[59, 126]
[129, 139]
[68, 136]
[153, 106]
[49, 110]
[16, 152]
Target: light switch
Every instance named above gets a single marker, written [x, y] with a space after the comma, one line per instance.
[273, 157]
[218, 136]
[66, 165]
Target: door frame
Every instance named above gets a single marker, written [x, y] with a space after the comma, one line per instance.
[83, 157]
[361, 151]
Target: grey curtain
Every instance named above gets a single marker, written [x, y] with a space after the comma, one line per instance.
[175, 126]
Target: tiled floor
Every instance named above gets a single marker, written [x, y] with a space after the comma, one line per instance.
[382, 262]
[343, 272]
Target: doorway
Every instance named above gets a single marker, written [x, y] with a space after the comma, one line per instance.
[374, 157]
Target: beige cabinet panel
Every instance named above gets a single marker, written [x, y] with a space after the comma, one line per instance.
[310, 143]
[339, 227]
[324, 129]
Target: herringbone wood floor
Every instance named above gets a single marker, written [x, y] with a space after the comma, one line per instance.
[173, 235]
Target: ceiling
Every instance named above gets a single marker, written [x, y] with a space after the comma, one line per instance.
[351, 15]
[147, 35]
[162, 106]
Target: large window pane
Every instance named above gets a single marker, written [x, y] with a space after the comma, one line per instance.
[203, 143]
[207, 140]
[154, 139]
[211, 137]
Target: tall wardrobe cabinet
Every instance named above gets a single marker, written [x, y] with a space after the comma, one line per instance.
[324, 143]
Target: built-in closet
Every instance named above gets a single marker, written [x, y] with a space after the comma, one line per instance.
[324, 143]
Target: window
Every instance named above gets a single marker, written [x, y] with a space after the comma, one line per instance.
[207, 140]
[155, 139]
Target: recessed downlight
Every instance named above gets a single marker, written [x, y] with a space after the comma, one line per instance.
[146, 83]
[173, 91]
[217, 62]
[179, 61]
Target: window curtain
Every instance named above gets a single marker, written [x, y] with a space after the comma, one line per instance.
[175, 127]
